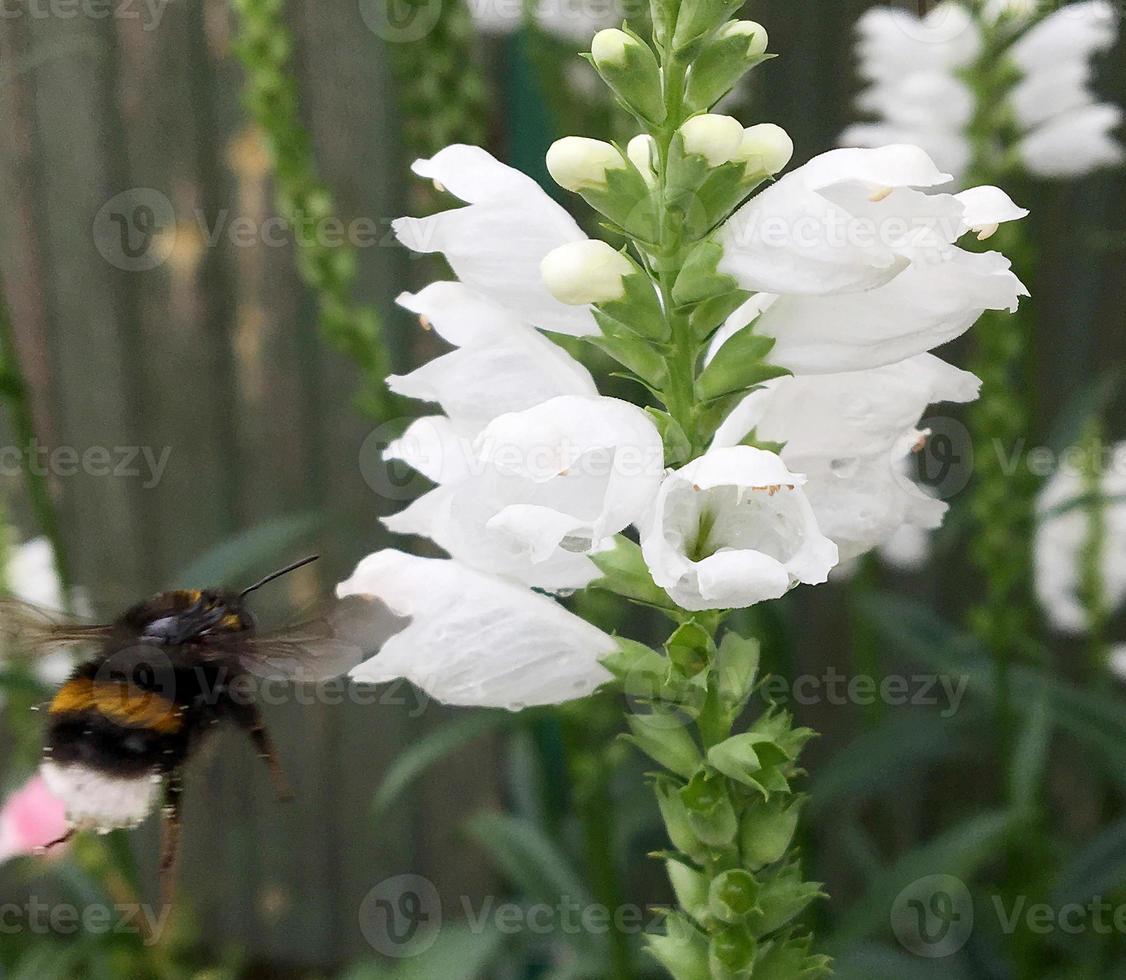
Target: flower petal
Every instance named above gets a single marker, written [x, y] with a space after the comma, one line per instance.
[496, 243]
[474, 639]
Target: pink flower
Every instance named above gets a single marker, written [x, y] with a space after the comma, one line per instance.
[31, 818]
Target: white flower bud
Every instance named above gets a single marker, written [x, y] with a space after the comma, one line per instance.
[584, 272]
[765, 148]
[714, 137]
[642, 152]
[577, 163]
[747, 28]
[609, 47]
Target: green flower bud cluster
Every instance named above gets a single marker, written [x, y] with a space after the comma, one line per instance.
[666, 193]
[727, 805]
[264, 44]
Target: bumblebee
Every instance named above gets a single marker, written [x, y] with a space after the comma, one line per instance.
[166, 672]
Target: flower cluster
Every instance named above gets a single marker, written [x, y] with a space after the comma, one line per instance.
[779, 330]
[1063, 518]
[965, 72]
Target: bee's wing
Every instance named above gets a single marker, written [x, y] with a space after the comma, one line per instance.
[348, 632]
[28, 630]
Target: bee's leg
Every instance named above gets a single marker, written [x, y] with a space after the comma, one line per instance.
[55, 843]
[256, 729]
[172, 814]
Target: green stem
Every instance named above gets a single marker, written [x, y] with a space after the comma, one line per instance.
[1092, 586]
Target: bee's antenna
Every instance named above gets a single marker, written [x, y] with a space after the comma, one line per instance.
[278, 574]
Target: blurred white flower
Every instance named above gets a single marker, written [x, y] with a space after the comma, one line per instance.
[733, 528]
[570, 20]
[32, 575]
[913, 66]
[496, 243]
[1118, 661]
[855, 268]
[850, 434]
[1061, 536]
[474, 639]
[545, 488]
[918, 92]
[908, 549]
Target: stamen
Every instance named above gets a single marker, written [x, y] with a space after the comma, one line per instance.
[985, 232]
[881, 194]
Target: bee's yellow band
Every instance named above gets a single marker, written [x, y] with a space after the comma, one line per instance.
[120, 703]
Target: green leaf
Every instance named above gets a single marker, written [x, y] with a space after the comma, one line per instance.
[459, 953]
[683, 950]
[959, 852]
[1098, 869]
[632, 352]
[767, 828]
[707, 317]
[900, 747]
[710, 811]
[665, 738]
[1030, 760]
[625, 573]
[738, 365]
[690, 887]
[737, 663]
[699, 278]
[262, 547]
[413, 762]
[531, 860]
[748, 758]
[678, 450]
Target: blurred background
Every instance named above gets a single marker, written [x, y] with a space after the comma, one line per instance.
[157, 309]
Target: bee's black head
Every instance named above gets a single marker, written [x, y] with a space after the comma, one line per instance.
[189, 615]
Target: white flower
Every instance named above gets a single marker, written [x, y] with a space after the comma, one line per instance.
[733, 528]
[1075, 143]
[476, 640]
[1076, 32]
[500, 366]
[1061, 537]
[856, 268]
[546, 487]
[917, 95]
[849, 434]
[496, 243]
[894, 43]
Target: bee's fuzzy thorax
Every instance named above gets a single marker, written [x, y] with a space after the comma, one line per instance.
[98, 800]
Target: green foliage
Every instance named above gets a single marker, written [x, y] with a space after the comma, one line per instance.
[264, 44]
